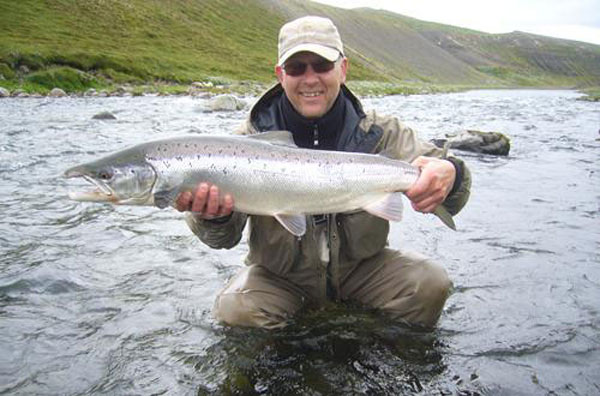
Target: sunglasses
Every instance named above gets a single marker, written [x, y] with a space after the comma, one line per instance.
[297, 68]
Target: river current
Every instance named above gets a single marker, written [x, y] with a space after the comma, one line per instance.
[98, 299]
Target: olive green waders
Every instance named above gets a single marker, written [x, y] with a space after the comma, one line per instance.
[406, 286]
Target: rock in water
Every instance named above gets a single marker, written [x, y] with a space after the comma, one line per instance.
[225, 103]
[494, 143]
[57, 93]
[105, 115]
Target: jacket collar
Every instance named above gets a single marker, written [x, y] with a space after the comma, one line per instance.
[264, 114]
[355, 136]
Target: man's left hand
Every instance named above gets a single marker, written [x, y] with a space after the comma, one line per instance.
[433, 185]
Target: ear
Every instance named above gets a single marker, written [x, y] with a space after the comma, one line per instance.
[279, 73]
[343, 70]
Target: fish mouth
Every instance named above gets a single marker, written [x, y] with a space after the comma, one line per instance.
[102, 192]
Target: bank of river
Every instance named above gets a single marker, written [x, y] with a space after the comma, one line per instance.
[98, 299]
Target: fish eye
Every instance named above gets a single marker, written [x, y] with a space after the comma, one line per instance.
[105, 175]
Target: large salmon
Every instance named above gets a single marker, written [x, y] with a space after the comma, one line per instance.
[266, 174]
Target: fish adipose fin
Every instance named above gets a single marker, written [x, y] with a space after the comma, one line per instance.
[389, 207]
[296, 224]
[279, 138]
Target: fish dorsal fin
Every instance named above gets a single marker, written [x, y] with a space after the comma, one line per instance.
[280, 138]
[296, 224]
[388, 153]
[389, 207]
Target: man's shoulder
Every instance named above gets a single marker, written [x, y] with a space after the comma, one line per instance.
[388, 123]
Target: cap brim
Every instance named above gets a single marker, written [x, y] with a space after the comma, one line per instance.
[331, 54]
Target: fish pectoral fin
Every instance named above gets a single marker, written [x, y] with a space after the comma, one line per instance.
[280, 138]
[445, 216]
[296, 224]
[389, 207]
[165, 198]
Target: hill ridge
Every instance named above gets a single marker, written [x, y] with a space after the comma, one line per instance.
[181, 41]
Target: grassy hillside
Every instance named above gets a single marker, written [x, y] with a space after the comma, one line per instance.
[78, 44]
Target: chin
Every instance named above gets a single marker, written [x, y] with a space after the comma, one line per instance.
[313, 112]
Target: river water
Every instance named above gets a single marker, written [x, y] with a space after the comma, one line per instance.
[96, 299]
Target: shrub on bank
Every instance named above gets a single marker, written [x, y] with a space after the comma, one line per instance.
[6, 72]
[64, 77]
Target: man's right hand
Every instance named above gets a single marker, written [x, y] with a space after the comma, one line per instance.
[205, 202]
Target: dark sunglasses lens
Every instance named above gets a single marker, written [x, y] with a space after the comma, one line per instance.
[295, 69]
[322, 67]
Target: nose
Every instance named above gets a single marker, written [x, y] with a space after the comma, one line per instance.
[310, 75]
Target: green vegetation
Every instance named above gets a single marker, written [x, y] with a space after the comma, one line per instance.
[67, 77]
[591, 94]
[164, 46]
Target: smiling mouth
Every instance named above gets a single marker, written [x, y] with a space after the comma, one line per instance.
[311, 94]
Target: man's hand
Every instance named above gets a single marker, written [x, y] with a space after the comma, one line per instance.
[433, 185]
[205, 202]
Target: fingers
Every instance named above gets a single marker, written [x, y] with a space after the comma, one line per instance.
[431, 188]
[200, 197]
[183, 201]
[206, 202]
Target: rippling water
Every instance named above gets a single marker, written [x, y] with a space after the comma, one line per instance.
[116, 300]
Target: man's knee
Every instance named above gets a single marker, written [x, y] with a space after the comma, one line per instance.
[434, 286]
[254, 299]
[422, 299]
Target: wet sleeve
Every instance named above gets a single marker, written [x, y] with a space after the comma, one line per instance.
[220, 233]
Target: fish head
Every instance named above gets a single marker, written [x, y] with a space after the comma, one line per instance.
[120, 180]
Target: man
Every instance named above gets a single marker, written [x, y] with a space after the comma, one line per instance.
[342, 256]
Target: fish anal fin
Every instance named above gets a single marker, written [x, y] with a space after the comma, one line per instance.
[295, 224]
[389, 207]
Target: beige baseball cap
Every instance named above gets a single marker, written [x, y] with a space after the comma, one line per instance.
[310, 33]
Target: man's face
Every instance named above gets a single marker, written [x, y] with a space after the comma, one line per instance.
[312, 93]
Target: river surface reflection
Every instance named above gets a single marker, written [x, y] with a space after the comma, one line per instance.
[116, 300]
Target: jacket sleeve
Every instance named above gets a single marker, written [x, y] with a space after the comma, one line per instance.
[220, 233]
[402, 142]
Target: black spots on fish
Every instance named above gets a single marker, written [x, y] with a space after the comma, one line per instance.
[205, 147]
[179, 158]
